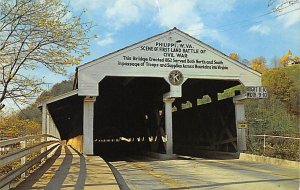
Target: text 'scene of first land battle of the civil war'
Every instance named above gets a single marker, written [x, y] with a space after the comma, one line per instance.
[171, 55]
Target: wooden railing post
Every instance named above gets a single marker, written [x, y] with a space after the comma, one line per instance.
[24, 158]
[264, 142]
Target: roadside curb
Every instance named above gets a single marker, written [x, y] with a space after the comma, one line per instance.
[269, 160]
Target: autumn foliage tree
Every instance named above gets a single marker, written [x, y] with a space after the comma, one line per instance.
[34, 33]
[259, 64]
[234, 56]
[288, 59]
[282, 87]
[279, 84]
[12, 126]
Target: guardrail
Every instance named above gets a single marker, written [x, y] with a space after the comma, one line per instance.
[17, 149]
[273, 136]
[275, 146]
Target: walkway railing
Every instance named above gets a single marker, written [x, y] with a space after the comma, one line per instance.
[18, 149]
[272, 136]
[274, 146]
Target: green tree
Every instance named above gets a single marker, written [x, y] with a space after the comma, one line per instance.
[33, 33]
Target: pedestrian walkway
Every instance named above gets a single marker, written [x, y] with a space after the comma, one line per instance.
[68, 169]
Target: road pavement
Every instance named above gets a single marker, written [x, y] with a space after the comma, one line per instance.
[197, 173]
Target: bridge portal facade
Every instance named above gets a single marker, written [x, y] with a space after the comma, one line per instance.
[139, 92]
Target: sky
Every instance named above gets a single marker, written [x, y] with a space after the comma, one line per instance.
[250, 28]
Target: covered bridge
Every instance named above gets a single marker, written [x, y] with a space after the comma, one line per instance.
[132, 99]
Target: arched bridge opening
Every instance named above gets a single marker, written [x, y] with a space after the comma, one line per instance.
[66, 115]
[127, 115]
[203, 122]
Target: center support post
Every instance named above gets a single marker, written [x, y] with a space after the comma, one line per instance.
[168, 124]
[88, 125]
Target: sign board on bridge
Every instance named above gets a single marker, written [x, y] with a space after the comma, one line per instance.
[256, 92]
[242, 125]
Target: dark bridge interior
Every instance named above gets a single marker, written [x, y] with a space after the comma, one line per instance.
[128, 108]
[129, 116]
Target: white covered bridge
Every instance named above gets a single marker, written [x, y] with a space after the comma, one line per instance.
[132, 93]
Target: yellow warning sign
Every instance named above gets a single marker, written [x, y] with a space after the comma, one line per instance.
[242, 125]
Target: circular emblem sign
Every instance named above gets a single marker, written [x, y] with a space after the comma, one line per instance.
[175, 77]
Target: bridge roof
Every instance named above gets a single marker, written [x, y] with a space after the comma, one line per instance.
[157, 56]
[60, 97]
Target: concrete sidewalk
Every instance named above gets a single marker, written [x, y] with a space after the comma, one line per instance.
[67, 169]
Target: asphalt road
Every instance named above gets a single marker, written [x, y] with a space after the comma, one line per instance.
[196, 173]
